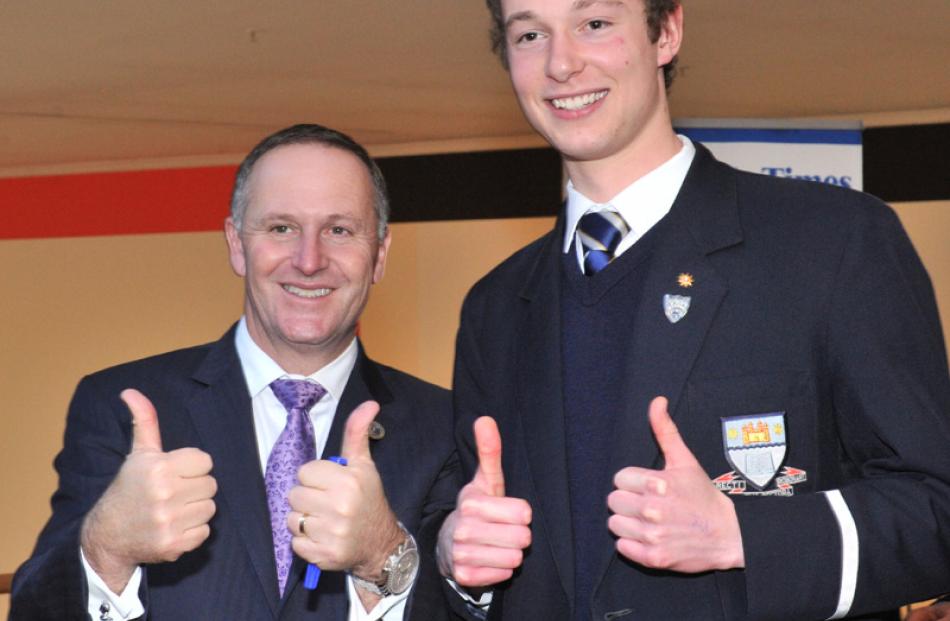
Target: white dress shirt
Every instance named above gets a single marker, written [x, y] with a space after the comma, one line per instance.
[642, 204]
[270, 417]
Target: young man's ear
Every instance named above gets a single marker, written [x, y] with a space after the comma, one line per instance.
[671, 36]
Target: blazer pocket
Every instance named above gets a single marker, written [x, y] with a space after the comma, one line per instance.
[792, 392]
[781, 450]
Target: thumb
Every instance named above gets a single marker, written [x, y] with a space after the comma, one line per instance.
[356, 433]
[674, 450]
[145, 433]
[489, 476]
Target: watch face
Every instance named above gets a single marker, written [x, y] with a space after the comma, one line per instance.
[403, 572]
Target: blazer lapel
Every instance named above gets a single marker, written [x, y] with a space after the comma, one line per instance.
[541, 406]
[702, 220]
[222, 414]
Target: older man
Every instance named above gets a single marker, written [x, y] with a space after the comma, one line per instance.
[192, 507]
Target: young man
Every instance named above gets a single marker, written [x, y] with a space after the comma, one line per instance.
[193, 508]
[721, 396]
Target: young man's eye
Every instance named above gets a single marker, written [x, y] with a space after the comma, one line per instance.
[597, 24]
[527, 37]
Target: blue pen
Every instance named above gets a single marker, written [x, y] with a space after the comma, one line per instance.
[312, 577]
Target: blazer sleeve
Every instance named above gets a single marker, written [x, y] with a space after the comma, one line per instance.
[428, 599]
[51, 584]
[879, 541]
[469, 402]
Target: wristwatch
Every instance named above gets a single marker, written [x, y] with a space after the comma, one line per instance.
[399, 570]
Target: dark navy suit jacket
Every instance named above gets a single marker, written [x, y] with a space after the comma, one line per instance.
[807, 301]
[202, 401]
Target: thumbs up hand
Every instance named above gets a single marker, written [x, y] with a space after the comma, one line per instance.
[349, 524]
[673, 518]
[157, 507]
[482, 541]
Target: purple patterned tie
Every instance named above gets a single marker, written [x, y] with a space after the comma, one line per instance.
[294, 447]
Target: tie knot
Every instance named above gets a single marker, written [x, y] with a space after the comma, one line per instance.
[297, 394]
[600, 233]
[602, 228]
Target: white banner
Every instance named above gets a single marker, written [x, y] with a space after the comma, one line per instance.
[818, 151]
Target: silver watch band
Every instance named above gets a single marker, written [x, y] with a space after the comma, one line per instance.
[385, 587]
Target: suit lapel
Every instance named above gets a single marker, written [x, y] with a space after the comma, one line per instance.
[702, 220]
[541, 405]
[364, 383]
[221, 413]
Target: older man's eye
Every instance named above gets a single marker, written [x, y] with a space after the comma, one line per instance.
[280, 228]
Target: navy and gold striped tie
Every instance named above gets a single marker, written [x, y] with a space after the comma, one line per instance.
[600, 233]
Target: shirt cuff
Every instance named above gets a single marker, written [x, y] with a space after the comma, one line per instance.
[478, 607]
[125, 606]
[390, 608]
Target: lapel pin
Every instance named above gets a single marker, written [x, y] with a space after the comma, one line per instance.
[685, 280]
[675, 307]
[376, 431]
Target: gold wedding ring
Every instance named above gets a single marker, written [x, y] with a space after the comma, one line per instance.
[300, 524]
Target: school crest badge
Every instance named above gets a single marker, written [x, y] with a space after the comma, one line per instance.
[755, 446]
[675, 307]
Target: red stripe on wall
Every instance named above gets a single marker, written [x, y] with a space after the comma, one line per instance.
[116, 203]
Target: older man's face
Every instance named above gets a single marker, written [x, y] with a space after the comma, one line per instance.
[308, 251]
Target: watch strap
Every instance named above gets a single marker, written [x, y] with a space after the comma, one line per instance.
[383, 588]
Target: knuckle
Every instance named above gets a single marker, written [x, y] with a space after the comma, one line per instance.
[212, 508]
[167, 545]
[340, 529]
[460, 556]
[525, 539]
[468, 507]
[653, 536]
[162, 519]
[657, 558]
[613, 523]
[201, 535]
[293, 497]
[528, 512]
[348, 509]
[206, 462]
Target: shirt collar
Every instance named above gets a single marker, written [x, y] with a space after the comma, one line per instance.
[260, 369]
[642, 203]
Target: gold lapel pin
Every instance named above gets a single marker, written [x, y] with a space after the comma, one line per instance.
[685, 280]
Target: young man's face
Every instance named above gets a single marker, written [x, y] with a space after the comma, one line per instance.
[586, 74]
[308, 250]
